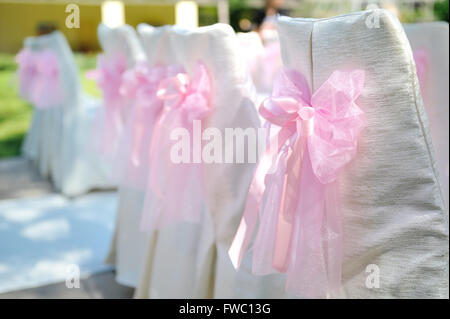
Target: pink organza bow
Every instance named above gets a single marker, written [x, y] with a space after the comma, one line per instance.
[421, 60]
[294, 189]
[26, 72]
[108, 75]
[46, 91]
[39, 78]
[177, 192]
[139, 85]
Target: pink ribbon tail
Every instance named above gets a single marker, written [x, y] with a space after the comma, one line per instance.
[248, 222]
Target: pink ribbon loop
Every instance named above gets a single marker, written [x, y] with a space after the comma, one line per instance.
[296, 200]
[177, 186]
[39, 78]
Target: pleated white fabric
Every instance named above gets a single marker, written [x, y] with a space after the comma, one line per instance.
[185, 259]
[394, 219]
[129, 245]
[61, 133]
[432, 37]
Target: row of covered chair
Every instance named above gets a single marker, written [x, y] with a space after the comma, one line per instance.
[363, 163]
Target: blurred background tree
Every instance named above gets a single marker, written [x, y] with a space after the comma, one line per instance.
[441, 10]
[241, 15]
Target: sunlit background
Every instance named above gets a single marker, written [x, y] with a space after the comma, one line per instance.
[22, 18]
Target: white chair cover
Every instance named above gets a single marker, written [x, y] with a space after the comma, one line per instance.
[122, 39]
[433, 38]
[63, 151]
[392, 203]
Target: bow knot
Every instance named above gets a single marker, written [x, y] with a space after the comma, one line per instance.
[191, 96]
[174, 89]
[305, 122]
[330, 118]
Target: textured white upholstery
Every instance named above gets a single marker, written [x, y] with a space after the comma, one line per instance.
[433, 38]
[393, 207]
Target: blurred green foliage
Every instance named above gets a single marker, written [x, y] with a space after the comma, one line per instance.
[14, 112]
[441, 10]
[207, 15]
[240, 10]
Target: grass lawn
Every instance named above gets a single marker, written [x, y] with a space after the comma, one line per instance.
[15, 113]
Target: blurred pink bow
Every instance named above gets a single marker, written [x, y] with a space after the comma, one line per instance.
[185, 96]
[140, 85]
[177, 185]
[108, 75]
[39, 78]
[26, 72]
[299, 231]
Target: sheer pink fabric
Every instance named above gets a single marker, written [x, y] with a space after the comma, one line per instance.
[26, 72]
[421, 60]
[294, 190]
[139, 85]
[108, 75]
[176, 190]
[39, 80]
